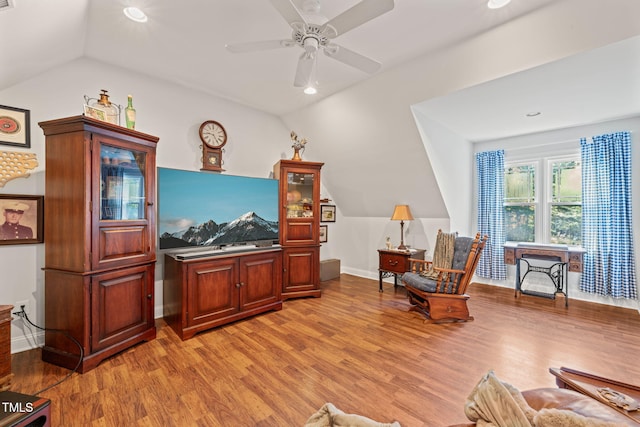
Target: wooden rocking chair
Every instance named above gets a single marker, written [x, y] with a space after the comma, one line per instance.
[441, 295]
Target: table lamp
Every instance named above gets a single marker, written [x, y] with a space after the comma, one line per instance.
[402, 213]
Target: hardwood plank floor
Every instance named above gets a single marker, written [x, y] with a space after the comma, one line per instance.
[354, 347]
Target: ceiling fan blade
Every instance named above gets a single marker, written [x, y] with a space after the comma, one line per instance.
[362, 12]
[352, 58]
[289, 12]
[261, 45]
[305, 69]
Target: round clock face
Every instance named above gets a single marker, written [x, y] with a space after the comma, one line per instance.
[213, 134]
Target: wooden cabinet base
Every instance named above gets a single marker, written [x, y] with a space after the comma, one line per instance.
[90, 361]
[104, 312]
[203, 293]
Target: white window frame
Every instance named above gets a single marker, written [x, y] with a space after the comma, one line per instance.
[549, 190]
[536, 198]
[543, 192]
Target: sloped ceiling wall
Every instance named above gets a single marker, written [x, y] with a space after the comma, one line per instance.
[369, 139]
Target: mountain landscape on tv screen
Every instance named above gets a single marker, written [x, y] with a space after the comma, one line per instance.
[247, 228]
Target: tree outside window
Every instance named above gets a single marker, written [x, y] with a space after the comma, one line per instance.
[566, 202]
[520, 202]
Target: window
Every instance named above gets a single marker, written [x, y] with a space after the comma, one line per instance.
[565, 204]
[543, 200]
[520, 202]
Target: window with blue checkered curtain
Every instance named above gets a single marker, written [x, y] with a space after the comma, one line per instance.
[490, 170]
[607, 232]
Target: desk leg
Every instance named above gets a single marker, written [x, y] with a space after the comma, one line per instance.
[517, 291]
[565, 273]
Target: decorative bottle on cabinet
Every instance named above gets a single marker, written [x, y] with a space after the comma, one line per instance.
[299, 226]
[130, 113]
[100, 233]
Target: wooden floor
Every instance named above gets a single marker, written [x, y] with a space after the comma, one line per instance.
[354, 347]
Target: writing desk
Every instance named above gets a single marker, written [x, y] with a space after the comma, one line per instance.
[565, 259]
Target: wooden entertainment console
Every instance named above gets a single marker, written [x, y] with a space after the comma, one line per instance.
[210, 289]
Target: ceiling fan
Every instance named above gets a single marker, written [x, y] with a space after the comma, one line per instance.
[313, 37]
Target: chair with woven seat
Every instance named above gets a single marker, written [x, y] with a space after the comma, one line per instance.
[438, 288]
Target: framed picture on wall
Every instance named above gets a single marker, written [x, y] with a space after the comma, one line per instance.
[22, 219]
[323, 233]
[14, 127]
[327, 213]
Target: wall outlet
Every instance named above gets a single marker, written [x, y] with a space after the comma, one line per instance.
[18, 304]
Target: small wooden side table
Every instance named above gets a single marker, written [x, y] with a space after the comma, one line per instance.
[23, 410]
[5, 347]
[394, 262]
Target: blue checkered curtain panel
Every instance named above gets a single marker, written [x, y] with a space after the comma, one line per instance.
[490, 169]
[607, 233]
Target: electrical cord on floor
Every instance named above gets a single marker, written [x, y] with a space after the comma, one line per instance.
[23, 314]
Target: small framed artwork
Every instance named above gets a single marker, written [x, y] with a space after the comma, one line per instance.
[327, 213]
[23, 219]
[15, 127]
[323, 233]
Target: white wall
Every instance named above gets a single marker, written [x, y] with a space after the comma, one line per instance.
[256, 142]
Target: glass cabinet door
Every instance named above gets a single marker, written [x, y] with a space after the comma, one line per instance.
[122, 183]
[300, 195]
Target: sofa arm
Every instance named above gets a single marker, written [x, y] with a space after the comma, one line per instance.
[558, 398]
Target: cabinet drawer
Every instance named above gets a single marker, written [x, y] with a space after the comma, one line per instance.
[509, 256]
[395, 263]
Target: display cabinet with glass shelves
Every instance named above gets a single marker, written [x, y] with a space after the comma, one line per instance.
[299, 226]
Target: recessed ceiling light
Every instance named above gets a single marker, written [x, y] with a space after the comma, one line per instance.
[497, 4]
[533, 114]
[135, 14]
[310, 90]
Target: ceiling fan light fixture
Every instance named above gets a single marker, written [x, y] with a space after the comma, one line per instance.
[310, 90]
[135, 14]
[497, 4]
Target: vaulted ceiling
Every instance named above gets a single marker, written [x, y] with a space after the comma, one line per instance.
[184, 42]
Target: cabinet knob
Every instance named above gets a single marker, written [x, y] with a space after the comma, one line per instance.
[238, 285]
[149, 296]
[149, 203]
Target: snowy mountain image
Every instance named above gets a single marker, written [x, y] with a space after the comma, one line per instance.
[247, 228]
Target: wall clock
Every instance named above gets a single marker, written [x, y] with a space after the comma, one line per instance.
[213, 137]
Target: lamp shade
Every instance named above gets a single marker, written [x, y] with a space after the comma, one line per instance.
[402, 213]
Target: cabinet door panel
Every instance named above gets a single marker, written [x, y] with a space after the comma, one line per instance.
[123, 184]
[121, 305]
[125, 241]
[300, 232]
[260, 280]
[213, 291]
[301, 269]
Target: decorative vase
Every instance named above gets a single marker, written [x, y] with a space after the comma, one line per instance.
[296, 154]
[111, 111]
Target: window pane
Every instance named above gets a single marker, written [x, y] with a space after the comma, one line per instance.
[566, 222]
[520, 222]
[566, 185]
[519, 182]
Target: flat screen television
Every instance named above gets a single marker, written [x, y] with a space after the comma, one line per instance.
[204, 209]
